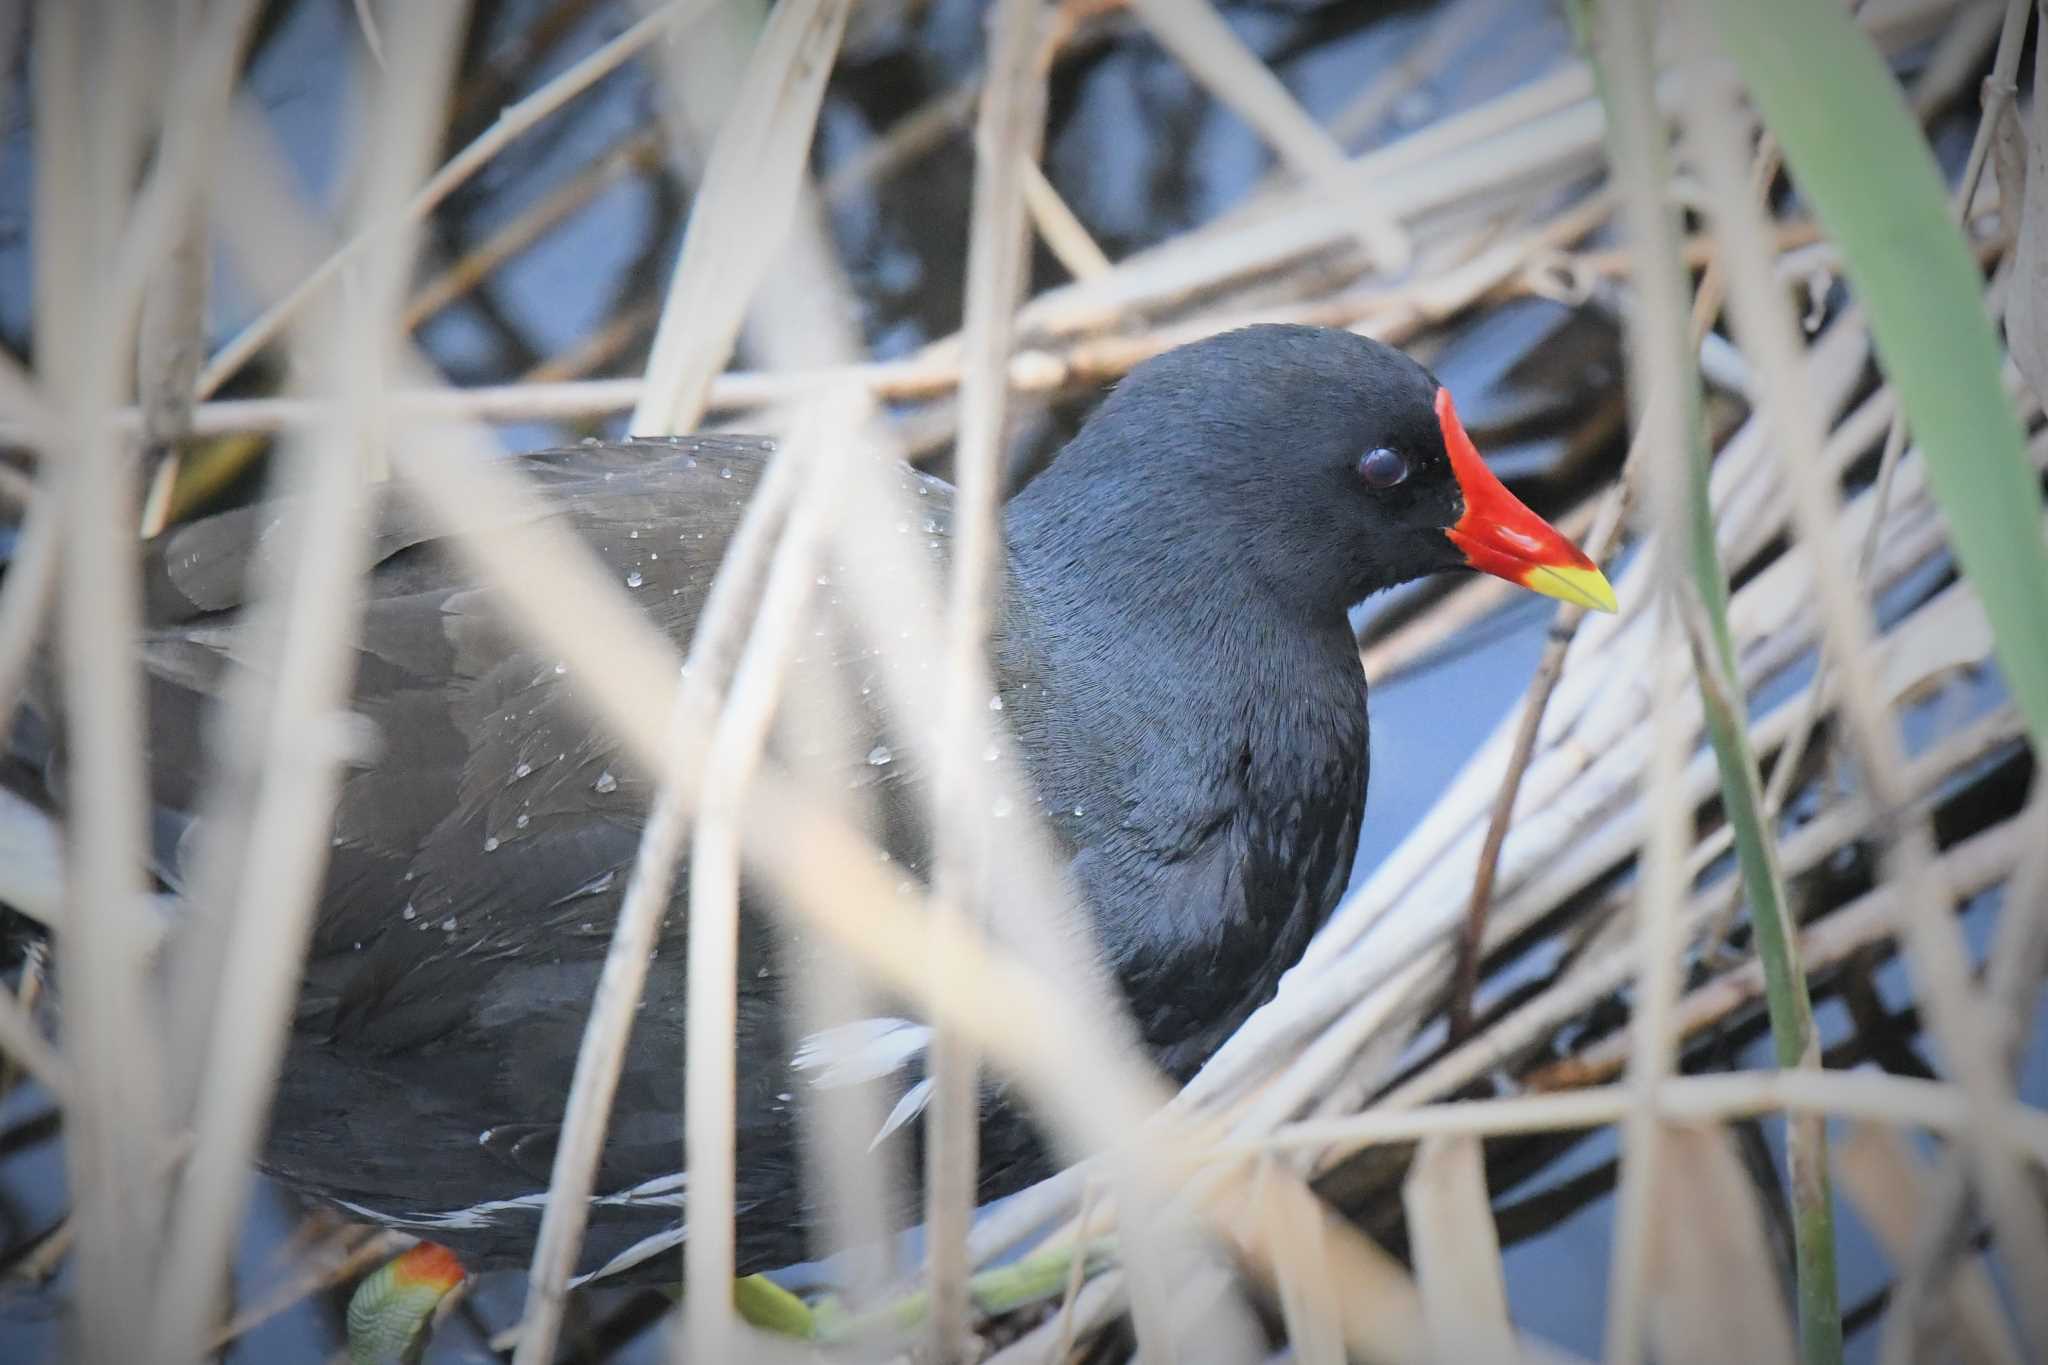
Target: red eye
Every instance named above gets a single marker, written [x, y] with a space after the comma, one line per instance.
[1382, 468]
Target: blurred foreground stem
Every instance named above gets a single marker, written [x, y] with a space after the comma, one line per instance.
[1643, 174]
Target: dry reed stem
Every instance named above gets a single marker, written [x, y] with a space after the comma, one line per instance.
[1711, 1274]
[1904, 1101]
[1006, 139]
[272, 240]
[800, 314]
[1933, 942]
[1215, 56]
[601, 1051]
[513, 123]
[1661, 360]
[172, 342]
[48, 1255]
[1391, 314]
[1791, 759]
[1457, 1252]
[1997, 94]
[1650, 1032]
[860, 1192]
[29, 589]
[1063, 1321]
[777, 62]
[1379, 1312]
[195, 107]
[600, 347]
[1063, 234]
[17, 491]
[20, 395]
[2013, 978]
[32, 861]
[1557, 639]
[84, 319]
[1955, 56]
[1450, 29]
[1050, 1343]
[907, 139]
[1301, 1265]
[304, 620]
[26, 998]
[802, 318]
[731, 759]
[742, 211]
[634, 151]
[372, 39]
[26, 1047]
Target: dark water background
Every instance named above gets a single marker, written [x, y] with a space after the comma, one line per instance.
[1140, 153]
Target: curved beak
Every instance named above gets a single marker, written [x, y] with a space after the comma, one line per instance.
[1502, 537]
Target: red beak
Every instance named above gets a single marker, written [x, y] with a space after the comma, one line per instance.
[1502, 537]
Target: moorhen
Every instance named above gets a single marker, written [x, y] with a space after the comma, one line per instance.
[1178, 672]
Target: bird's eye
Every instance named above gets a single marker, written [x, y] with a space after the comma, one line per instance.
[1382, 468]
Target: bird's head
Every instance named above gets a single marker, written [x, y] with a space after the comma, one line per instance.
[1328, 465]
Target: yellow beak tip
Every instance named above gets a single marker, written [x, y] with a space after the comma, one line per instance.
[1589, 588]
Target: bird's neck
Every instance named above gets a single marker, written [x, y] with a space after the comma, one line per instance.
[1204, 744]
[1126, 579]
[1163, 656]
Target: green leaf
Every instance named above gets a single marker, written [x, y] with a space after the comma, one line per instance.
[767, 1305]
